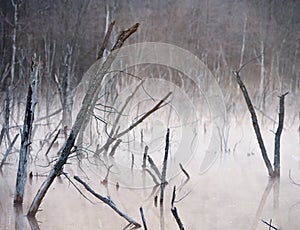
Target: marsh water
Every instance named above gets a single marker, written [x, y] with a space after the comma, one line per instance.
[234, 193]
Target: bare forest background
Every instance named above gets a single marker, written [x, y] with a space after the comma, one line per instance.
[224, 34]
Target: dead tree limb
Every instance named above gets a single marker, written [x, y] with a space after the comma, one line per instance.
[114, 130]
[109, 202]
[269, 224]
[174, 210]
[52, 143]
[164, 169]
[153, 177]
[8, 151]
[156, 107]
[145, 157]
[184, 171]
[81, 193]
[255, 123]
[143, 218]
[154, 167]
[114, 148]
[278, 135]
[177, 218]
[69, 143]
[26, 132]
[105, 41]
[173, 196]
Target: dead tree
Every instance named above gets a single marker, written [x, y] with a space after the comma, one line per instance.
[276, 171]
[143, 218]
[278, 135]
[69, 143]
[174, 210]
[99, 56]
[26, 133]
[164, 169]
[118, 135]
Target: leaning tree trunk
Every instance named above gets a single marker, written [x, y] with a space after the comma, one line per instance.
[66, 150]
[26, 133]
[255, 124]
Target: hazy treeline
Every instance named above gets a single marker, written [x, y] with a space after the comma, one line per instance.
[224, 34]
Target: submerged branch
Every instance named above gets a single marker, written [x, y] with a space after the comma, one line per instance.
[109, 202]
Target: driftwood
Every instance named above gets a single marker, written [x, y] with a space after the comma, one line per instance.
[164, 169]
[109, 202]
[68, 145]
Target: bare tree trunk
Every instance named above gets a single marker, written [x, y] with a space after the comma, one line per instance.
[278, 135]
[14, 41]
[99, 56]
[66, 150]
[164, 169]
[26, 133]
[255, 124]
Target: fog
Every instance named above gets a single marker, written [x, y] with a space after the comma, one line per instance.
[176, 71]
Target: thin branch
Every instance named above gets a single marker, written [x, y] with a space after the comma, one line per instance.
[109, 202]
[156, 107]
[271, 226]
[52, 143]
[153, 177]
[292, 180]
[8, 151]
[184, 171]
[164, 169]
[143, 218]
[81, 193]
[248, 62]
[154, 167]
